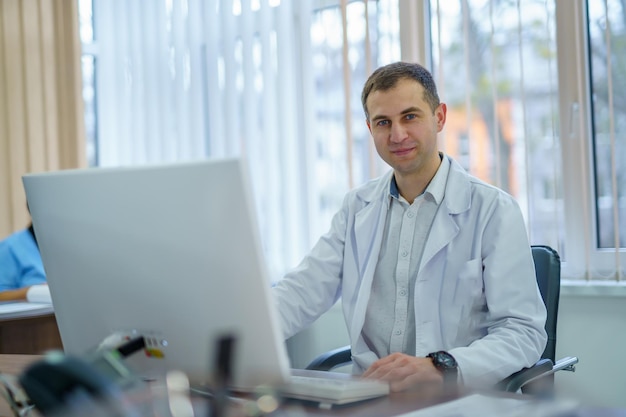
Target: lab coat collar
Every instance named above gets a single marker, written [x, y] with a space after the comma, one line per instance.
[457, 194]
[458, 189]
[369, 194]
[457, 200]
[370, 219]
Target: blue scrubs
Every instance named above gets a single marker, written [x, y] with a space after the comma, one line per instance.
[20, 262]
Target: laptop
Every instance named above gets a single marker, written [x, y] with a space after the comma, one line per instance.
[171, 253]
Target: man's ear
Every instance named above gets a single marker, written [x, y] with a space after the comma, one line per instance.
[440, 114]
[367, 121]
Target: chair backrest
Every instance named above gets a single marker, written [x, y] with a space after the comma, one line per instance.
[548, 272]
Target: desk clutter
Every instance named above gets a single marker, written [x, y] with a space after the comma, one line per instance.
[173, 397]
[104, 384]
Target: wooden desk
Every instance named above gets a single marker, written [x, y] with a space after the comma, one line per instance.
[30, 332]
[393, 405]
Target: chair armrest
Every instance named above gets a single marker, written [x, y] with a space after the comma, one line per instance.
[517, 380]
[566, 364]
[331, 359]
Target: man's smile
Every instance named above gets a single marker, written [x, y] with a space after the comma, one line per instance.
[402, 151]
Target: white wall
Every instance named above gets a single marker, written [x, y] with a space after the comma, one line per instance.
[328, 332]
[593, 328]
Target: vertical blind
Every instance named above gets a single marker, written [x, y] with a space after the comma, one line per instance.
[178, 80]
[185, 80]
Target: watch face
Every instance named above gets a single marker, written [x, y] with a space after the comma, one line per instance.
[446, 364]
[443, 361]
[447, 360]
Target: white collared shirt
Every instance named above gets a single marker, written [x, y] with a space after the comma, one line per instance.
[390, 317]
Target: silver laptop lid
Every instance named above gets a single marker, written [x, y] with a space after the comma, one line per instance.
[171, 252]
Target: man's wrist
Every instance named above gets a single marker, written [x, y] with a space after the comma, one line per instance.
[445, 363]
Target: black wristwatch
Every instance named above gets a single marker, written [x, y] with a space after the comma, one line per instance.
[446, 364]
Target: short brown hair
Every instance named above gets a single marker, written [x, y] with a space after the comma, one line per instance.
[386, 77]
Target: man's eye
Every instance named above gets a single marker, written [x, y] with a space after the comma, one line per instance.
[382, 123]
[410, 116]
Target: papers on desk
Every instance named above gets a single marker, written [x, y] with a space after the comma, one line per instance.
[39, 293]
[478, 405]
[38, 302]
[328, 391]
[19, 307]
[16, 309]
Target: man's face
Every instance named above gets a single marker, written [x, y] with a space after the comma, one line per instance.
[405, 129]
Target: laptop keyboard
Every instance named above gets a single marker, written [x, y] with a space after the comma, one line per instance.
[335, 389]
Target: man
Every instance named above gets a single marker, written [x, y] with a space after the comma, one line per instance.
[20, 265]
[433, 266]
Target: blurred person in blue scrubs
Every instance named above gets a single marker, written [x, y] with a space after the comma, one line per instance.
[20, 265]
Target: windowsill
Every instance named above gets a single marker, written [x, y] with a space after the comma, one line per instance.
[593, 288]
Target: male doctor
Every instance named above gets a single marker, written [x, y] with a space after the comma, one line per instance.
[433, 266]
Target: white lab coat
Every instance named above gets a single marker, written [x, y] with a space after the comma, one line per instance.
[475, 293]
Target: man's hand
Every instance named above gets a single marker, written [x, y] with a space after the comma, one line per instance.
[403, 371]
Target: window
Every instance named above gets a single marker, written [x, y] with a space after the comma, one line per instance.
[503, 104]
[535, 105]
[513, 121]
[589, 56]
[607, 45]
[176, 80]
[345, 155]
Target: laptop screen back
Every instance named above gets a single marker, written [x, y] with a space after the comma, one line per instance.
[170, 252]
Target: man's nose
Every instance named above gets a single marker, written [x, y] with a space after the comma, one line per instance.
[397, 133]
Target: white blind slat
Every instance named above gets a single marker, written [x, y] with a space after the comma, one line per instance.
[214, 111]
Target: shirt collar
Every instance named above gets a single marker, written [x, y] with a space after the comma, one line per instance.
[437, 186]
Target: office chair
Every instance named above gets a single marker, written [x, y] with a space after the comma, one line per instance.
[539, 378]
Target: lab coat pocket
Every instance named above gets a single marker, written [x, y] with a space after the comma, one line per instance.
[469, 304]
[469, 284]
